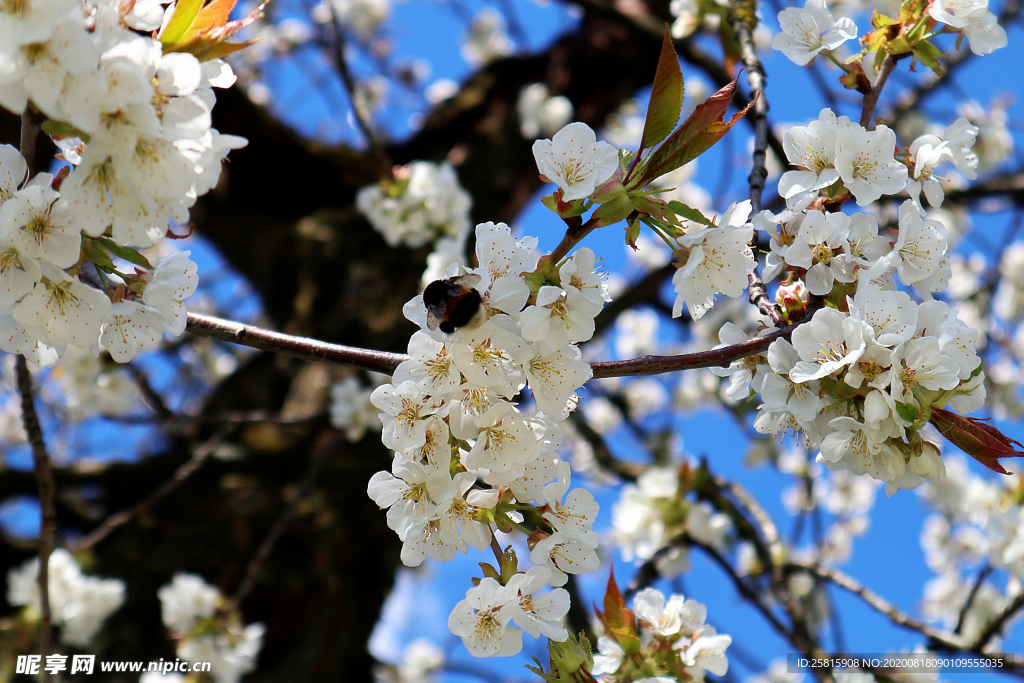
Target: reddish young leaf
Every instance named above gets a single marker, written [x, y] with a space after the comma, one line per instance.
[619, 621]
[703, 128]
[981, 441]
[666, 97]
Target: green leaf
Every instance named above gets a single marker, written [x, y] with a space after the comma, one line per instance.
[92, 252]
[977, 371]
[702, 129]
[633, 231]
[666, 96]
[908, 412]
[612, 212]
[930, 56]
[185, 13]
[206, 36]
[878, 20]
[126, 253]
[61, 129]
[689, 213]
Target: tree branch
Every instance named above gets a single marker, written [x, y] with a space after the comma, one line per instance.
[34, 433]
[48, 514]
[288, 345]
[386, 362]
[871, 99]
[880, 604]
[252, 570]
[743, 18]
[189, 468]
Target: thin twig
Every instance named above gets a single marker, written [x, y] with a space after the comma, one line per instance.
[154, 399]
[742, 588]
[995, 627]
[871, 99]
[48, 513]
[743, 19]
[29, 134]
[979, 580]
[252, 570]
[204, 451]
[880, 604]
[803, 637]
[341, 64]
[571, 238]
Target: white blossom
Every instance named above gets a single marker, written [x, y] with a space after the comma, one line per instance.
[866, 163]
[808, 31]
[575, 161]
[714, 261]
[174, 280]
[482, 620]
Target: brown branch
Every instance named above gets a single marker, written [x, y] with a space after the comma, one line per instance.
[386, 362]
[871, 99]
[603, 455]
[978, 582]
[657, 365]
[204, 451]
[252, 570]
[741, 587]
[571, 238]
[48, 514]
[288, 345]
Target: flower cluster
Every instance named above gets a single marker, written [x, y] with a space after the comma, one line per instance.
[861, 379]
[487, 39]
[423, 203]
[207, 629]
[540, 113]
[653, 511]
[675, 640]
[835, 149]
[492, 617]
[351, 409]
[421, 659]
[449, 416]
[79, 603]
[712, 260]
[928, 151]
[135, 123]
[975, 520]
[973, 19]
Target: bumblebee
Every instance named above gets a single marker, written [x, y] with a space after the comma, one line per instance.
[454, 303]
